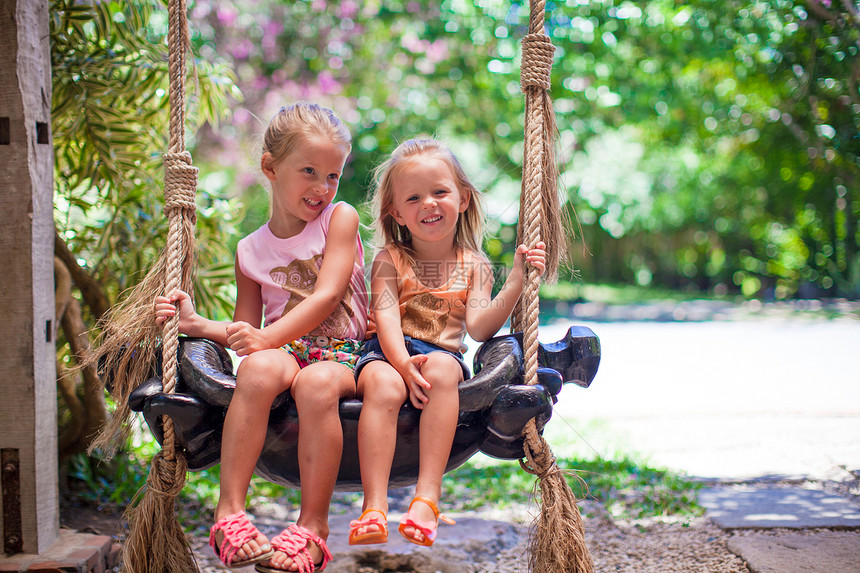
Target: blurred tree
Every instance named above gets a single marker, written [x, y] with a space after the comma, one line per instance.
[708, 146]
[109, 123]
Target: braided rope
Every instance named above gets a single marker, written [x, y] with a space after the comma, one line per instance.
[178, 39]
[538, 51]
[540, 461]
[557, 542]
[180, 184]
[180, 187]
[152, 520]
[168, 477]
[535, 79]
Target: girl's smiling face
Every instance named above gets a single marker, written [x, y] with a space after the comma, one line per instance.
[428, 201]
[304, 182]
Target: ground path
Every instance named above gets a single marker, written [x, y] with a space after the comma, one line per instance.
[761, 397]
[762, 403]
[753, 400]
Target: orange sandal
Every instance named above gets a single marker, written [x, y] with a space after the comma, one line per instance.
[237, 532]
[379, 535]
[429, 532]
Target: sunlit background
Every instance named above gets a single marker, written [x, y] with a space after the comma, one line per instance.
[709, 155]
[707, 148]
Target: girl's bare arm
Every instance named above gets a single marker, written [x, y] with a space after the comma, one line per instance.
[331, 284]
[485, 315]
[386, 309]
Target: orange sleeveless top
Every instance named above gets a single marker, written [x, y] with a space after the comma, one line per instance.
[434, 314]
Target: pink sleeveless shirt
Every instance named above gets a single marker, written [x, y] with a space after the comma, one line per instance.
[287, 271]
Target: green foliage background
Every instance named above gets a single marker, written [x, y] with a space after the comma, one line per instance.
[709, 147]
[706, 146]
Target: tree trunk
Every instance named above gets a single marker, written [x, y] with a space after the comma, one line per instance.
[81, 389]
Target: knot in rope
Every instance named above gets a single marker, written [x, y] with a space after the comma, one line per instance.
[180, 184]
[167, 477]
[537, 61]
[540, 460]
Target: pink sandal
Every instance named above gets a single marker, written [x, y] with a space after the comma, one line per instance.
[237, 532]
[293, 542]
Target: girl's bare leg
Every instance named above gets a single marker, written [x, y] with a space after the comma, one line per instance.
[318, 390]
[436, 432]
[383, 392]
[260, 378]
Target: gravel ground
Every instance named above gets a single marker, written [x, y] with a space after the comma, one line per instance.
[641, 547]
[492, 540]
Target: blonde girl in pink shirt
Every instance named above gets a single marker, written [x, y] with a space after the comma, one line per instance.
[302, 273]
[430, 285]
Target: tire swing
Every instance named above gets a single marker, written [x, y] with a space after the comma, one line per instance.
[189, 382]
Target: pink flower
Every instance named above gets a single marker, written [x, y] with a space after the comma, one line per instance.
[243, 49]
[273, 28]
[241, 116]
[437, 51]
[246, 180]
[327, 83]
[226, 15]
[348, 9]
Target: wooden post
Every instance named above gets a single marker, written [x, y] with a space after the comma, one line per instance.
[28, 403]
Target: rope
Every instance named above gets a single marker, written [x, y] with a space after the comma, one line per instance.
[557, 539]
[180, 187]
[153, 522]
[535, 79]
[536, 71]
[177, 43]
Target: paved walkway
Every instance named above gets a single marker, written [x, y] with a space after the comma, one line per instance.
[748, 405]
[823, 552]
[721, 399]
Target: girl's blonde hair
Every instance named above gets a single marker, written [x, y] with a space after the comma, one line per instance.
[293, 124]
[470, 224]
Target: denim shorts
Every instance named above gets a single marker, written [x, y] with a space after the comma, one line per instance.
[373, 351]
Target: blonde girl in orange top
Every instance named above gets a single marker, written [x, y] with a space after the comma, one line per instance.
[430, 285]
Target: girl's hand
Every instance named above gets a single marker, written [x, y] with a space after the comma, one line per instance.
[244, 339]
[415, 382]
[167, 307]
[535, 257]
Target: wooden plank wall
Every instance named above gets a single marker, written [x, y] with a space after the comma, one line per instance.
[28, 404]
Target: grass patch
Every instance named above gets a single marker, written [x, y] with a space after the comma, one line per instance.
[115, 483]
[616, 294]
[203, 486]
[99, 481]
[628, 489]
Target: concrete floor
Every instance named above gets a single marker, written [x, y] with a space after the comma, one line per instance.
[731, 399]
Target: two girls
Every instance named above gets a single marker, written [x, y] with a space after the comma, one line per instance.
[302, 271]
